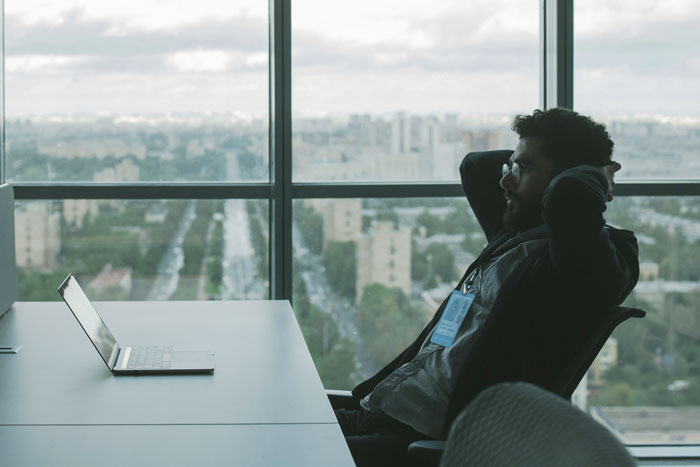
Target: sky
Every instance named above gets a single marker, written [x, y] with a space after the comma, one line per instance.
[155, 56]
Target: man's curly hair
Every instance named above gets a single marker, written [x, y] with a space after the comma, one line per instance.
[570, 139]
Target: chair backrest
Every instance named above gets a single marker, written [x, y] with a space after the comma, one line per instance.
[569, 379]
[519, 424]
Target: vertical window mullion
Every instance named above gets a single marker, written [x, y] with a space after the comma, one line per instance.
[557, 59]
[280, 115]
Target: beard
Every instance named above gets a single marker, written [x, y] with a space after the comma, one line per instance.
[523, 213]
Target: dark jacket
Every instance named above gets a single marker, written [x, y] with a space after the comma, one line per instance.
[550, 304]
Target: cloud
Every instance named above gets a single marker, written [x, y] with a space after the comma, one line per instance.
[199, 60]
[442, 42]
[632, 20]
[77, 36]
[463, 37]
[637, 56]
[322, 92]
[129, 16]
[45, 63]
[623, 49]
[78, 64]
[130, 93]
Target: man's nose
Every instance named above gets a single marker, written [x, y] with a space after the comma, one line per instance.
[507, 180]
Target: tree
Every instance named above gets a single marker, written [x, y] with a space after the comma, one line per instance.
[434, 262]
[337, 367]
[38, 285]
[442, 261]
[429, 222]
[333, 356]
[614, 394]
[310, 224]
[341, 265]
[387, 321]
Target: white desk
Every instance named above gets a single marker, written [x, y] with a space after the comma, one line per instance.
[263, 403]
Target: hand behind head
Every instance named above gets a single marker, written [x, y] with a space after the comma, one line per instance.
[609, 172]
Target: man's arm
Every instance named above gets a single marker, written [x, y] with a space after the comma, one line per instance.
[481, 174]
[582, 250]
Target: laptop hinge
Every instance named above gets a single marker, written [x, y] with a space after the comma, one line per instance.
[113, 361]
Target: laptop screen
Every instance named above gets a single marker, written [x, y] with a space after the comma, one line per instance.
[89, 319]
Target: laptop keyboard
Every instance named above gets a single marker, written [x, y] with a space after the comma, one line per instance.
[150, 358]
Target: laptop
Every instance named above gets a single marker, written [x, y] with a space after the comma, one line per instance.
[153, 359]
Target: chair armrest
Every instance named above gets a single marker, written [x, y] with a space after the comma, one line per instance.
[426, 453]
[342, 399]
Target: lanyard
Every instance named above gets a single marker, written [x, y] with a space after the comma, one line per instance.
[497, 247]
[467, 284]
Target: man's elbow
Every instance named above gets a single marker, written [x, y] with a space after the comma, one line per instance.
[615, 290]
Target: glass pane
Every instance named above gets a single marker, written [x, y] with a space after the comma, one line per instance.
[393, 90]
[143, 250]
[369, 274]
[645, 384]
[136, 90]
[637, 68]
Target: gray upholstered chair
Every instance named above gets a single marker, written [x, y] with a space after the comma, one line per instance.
[519, 424]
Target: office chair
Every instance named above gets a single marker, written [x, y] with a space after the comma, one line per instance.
[567, 382]
[428, 453]
[520, 424]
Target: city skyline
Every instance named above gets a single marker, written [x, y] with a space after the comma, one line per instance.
[371, 147]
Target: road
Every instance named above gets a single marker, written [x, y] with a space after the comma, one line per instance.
[239, 276]
[322, 295]
[168, 273]
[240, 279]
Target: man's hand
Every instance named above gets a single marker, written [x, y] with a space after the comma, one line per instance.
[609, 172]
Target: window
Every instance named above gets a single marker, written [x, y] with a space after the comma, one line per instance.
[393, 90]
[637, 69]
[136, 91]
[649, 368]
[364, 309]
[129, 93]
[143, 249]
[148, 146]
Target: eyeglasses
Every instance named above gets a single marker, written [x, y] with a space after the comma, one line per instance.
[513, 169]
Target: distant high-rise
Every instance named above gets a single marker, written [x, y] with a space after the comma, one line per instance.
[400, 134]
[384, 257]
[75, 210]
[430, 134]
[496, 140]
[446, 160]
[37, 235]
[606, 359]
[342, 220]
[124, 171]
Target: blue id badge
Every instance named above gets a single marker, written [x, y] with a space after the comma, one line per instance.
[451, 320]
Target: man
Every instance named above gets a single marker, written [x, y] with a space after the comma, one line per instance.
[529, 301]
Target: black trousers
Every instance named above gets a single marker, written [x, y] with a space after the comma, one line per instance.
[375, 439]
